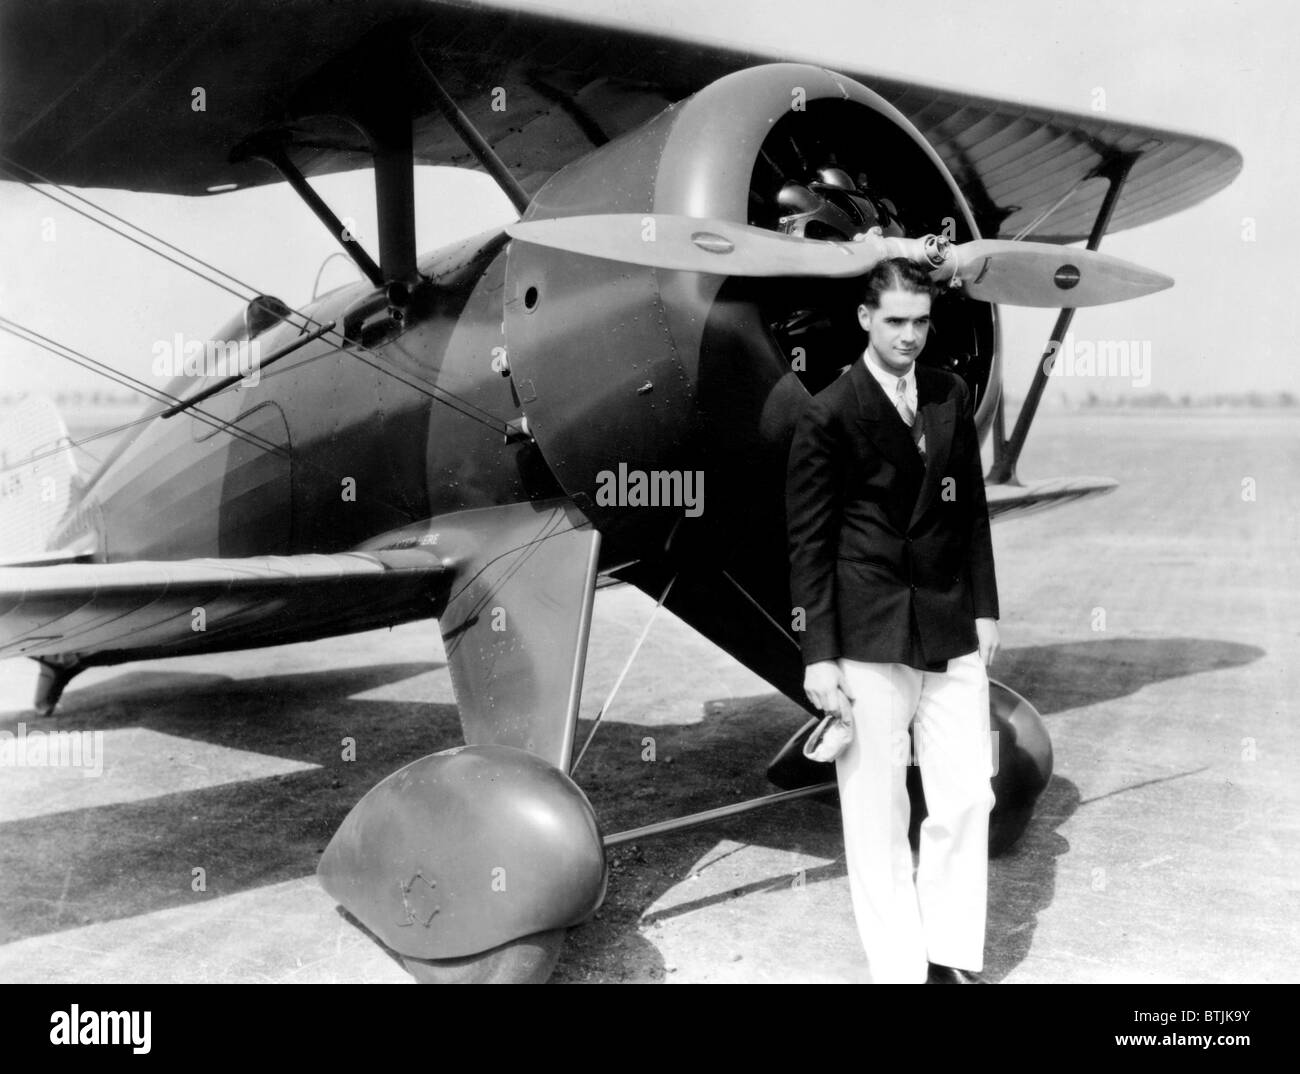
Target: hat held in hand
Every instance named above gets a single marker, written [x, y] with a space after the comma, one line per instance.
[829, 739]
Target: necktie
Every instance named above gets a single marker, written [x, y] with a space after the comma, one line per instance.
[909, 416]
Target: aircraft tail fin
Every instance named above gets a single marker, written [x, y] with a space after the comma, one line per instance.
[38, 477]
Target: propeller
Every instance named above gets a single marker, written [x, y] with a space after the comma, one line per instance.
[990, 270]
[1044, 274]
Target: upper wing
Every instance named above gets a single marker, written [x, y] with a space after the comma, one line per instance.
[104, 93]
[150, 607]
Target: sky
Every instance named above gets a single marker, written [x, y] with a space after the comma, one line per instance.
[1220, 69]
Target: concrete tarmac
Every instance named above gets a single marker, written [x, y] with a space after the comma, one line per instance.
[1156, 629]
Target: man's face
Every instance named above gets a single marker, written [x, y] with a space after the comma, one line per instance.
[898, 327]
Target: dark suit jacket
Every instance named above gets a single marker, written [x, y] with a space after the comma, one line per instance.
[890, 557]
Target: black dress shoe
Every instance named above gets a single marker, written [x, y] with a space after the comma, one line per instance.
[951, 975]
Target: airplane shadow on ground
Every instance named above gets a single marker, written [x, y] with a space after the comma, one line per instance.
[1075, 674]
[67, 869]
[730, 751]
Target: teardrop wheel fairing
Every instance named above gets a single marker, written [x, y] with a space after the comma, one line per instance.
[527, 960]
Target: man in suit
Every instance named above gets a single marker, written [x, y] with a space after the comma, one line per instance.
[892, 564]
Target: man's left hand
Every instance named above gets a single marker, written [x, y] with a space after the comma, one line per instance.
[987, 632]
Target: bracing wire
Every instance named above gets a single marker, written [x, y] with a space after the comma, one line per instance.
[248, 292]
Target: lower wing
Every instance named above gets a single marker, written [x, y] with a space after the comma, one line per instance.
[1007, 500]
[512, 588]
[204, 605]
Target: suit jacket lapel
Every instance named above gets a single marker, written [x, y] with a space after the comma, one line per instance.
[879, 419]
[938, 418]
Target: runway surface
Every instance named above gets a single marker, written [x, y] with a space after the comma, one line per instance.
[1156, 629]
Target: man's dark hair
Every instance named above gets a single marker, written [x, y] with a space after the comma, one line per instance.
[895, 274]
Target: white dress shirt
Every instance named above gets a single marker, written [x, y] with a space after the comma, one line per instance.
[889, 382]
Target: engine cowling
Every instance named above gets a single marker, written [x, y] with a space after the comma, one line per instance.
[702, 374]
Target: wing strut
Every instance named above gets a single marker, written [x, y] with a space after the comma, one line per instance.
[370, 88]
[474, 142]
[381, 109]
[390, 140]
[273, 152]
[1006, 452]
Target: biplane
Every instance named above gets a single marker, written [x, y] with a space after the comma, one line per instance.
[437, 440]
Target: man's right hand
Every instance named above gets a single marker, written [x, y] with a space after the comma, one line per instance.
[826, 689]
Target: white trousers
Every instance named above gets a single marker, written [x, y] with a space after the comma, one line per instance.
[938, 916]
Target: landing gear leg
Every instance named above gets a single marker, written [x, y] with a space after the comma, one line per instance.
[56, 673]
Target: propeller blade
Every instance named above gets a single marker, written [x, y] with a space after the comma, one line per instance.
[665, 241]
[990, 270]
[1042, 274]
